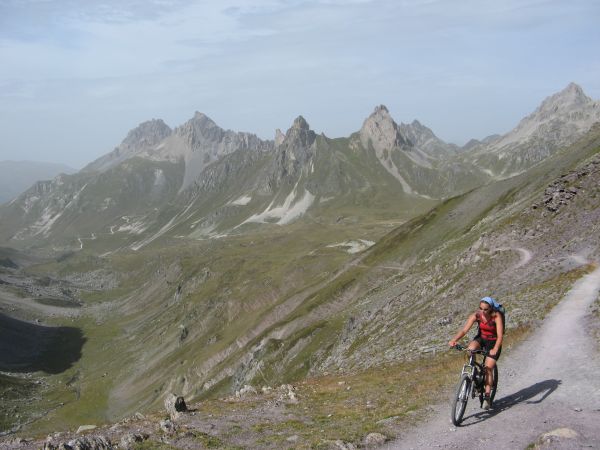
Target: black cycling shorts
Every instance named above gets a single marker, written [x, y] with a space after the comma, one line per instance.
[488, 345]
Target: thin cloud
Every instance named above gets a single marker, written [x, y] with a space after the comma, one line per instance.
[255, 65]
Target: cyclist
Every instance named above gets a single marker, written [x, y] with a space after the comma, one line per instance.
[489, 337]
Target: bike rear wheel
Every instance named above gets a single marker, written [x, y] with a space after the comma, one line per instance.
[459, 403]
[494, 384]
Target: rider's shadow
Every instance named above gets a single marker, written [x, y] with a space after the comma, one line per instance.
[526, 395]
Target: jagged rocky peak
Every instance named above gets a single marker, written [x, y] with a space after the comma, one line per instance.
[142, 138]
[300, 134]
[300, 123]
[200, 128]
[147, 134]
[381, 130]
[416, 132]
[202, 121]
[570, 97]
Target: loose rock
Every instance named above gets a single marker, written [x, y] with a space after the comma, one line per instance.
[374, 440]
[168, 426]
[175, 406]
[129, 440]
[245, 391]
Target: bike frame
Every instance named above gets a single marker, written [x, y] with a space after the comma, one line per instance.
[472, 368]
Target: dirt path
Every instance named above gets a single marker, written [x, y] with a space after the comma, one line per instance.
[550, 382]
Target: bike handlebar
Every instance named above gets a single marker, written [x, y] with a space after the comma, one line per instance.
[461, 348]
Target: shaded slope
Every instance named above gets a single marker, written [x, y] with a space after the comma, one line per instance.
[27, 347]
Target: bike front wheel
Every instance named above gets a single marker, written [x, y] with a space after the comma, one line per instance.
[459, 403]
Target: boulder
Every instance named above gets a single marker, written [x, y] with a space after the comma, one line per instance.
[175, 406]
[373, 440]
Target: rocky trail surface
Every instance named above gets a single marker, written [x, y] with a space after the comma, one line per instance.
[548, 395]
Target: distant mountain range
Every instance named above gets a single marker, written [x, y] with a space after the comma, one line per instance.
[17, 176]
[200, 180]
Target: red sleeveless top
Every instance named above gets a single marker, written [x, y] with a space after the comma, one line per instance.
[487, 330]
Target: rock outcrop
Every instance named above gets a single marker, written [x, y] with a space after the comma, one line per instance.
[380, 131]
[175, 406]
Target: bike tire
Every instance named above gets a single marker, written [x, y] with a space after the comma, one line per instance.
[459, 402]
[494, 385]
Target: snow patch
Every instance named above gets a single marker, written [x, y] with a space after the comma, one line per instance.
[354, 246]
[242, 201]
[291, 209]
[132, 228]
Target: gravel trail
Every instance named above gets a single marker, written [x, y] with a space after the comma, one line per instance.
[548, 384]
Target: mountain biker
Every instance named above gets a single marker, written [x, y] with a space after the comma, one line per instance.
[489, 337]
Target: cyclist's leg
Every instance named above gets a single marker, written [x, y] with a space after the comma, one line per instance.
[489, 371]
[475, 344]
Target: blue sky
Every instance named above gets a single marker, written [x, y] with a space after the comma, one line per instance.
[77, 75]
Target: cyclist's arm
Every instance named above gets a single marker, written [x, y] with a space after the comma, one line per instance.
[499, 332]
[470, 321]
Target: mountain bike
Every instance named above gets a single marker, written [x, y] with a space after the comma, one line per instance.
[472, 383]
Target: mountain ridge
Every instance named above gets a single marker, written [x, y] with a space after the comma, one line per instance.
[297, 171]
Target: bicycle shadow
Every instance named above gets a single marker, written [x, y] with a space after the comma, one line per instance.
[526, 395]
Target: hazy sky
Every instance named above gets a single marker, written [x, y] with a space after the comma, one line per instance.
[77, 75]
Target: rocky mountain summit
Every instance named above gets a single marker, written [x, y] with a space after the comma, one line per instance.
[380, 130]
[293, 154]
[145, 136]
[560, 120]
